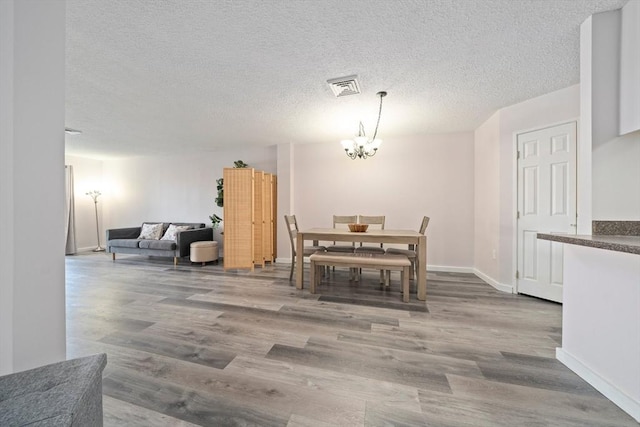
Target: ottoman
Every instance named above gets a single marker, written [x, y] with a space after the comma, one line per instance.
[204, 252]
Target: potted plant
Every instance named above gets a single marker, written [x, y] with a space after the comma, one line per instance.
[238, 164]
[215, 221]
[220, 187]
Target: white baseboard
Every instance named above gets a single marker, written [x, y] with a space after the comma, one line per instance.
[611, 392]
[499, 286]
[448, 268]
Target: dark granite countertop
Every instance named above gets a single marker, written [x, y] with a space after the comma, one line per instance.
[61, 394]
[629, 244]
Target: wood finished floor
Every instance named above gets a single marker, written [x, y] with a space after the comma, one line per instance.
[194, 345]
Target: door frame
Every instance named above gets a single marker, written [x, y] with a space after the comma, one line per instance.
[582, 166]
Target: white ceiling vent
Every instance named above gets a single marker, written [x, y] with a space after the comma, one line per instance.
[343, 86]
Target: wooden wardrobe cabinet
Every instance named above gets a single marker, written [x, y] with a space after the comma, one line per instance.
[250, 214]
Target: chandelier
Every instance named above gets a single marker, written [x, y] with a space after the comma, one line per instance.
[361, 147]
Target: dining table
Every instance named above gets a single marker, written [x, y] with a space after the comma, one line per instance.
[408, 237]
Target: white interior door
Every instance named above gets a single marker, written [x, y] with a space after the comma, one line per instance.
[546, 204]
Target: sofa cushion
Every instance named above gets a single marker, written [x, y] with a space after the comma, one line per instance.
[173, 230]
[123, 243]
[151, 231]
[164, 245]
[191, 224]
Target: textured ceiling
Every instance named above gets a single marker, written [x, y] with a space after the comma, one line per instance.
[148, 76]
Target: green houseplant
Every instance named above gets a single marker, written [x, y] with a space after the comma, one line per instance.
[238, 164]
[215, 221]
[220, 188]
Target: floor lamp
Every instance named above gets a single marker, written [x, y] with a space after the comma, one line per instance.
[94, 195]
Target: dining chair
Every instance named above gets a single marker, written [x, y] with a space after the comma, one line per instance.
[377, 222]
[342, 221]
[292, 226]
[411, 251]
[373, 222]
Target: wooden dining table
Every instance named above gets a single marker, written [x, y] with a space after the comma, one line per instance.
[369, 236]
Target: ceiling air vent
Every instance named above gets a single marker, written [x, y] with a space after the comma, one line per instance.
[344, 86]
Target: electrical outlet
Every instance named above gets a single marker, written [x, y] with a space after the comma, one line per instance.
[493, 254]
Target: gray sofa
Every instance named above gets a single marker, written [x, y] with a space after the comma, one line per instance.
[125, 241]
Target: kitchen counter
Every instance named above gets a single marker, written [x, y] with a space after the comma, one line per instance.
[600, 316]
[629, 244]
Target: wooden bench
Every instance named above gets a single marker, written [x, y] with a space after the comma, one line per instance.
[360, 260]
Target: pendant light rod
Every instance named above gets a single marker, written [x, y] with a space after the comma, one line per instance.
[361, 147]
[381, 94]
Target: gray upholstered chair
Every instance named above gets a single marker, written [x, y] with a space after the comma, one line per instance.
[292, 226]
[411, 251]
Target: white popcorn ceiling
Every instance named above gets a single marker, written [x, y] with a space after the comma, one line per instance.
[165, 76]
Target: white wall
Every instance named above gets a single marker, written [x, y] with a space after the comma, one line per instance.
[32, 293]
[87, 176]
[552, 108]
[630, 68]
[601, 324]
[314, 181]
[179, 188]
[495, 178]
[487, 198]
[615, 174]
[285, 198]
[616, 179]
[422, 175]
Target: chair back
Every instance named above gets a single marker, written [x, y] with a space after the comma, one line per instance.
[425, 223]
[423, 228]
[372, 220]
[292, 227]
[376, 220]
[344, 220]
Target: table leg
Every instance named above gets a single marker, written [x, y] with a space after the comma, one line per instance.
[421, 267]
[299, 260]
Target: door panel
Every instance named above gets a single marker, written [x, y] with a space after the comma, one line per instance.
[530, 191]
[546, 204]
[530, 254]
[559, 196]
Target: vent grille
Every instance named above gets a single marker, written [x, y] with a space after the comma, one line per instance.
[343, 86]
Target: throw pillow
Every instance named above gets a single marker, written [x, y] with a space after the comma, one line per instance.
[151, 231]
[173, 230]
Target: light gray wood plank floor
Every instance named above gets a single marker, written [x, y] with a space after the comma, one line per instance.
[194, 345]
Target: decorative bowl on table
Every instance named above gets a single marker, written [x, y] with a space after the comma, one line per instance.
[358, 228]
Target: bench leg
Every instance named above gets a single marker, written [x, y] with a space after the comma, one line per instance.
[313, 273]
[405, 284]
[175, 261]
[387, 278]
[113, 256]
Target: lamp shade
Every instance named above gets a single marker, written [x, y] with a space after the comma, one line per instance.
[347, 144]
[361, 141]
